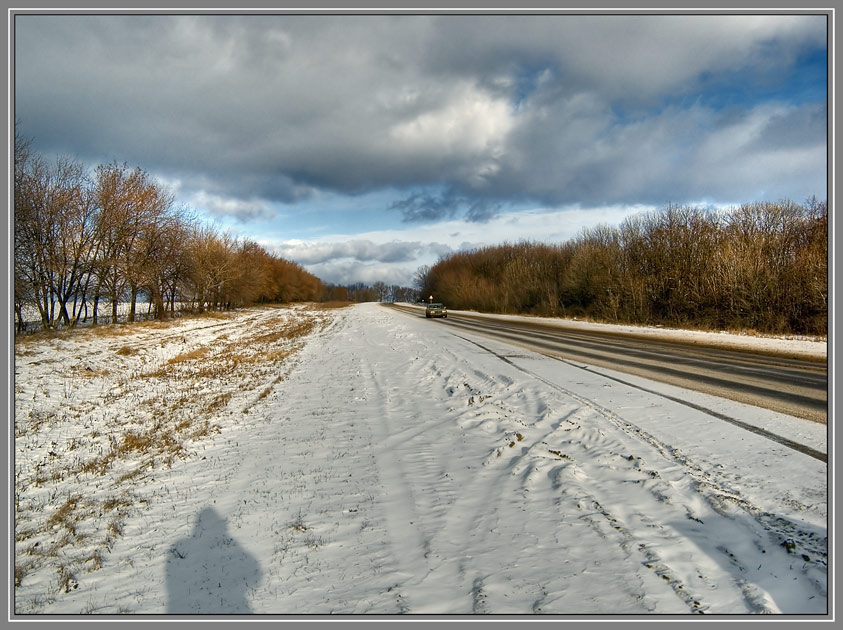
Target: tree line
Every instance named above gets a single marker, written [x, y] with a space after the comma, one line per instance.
[82, 240]
[760, 266]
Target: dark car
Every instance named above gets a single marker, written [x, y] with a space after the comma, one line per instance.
[436, 309]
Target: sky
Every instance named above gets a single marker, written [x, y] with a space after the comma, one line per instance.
[365, 146]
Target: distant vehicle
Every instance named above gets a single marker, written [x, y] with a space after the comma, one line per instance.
[436, 309]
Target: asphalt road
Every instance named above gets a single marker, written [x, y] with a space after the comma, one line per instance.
[792, 386]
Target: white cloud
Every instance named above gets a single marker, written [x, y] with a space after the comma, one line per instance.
[351, 272]
[361, 250]
[394, 256]
[468, 121]
[240, 209]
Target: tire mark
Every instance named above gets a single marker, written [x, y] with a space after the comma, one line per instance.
[801, 448]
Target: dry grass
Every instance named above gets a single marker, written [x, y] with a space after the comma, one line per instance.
[193, 355]
[89, 372]
[170, 368]
[115, 503]
[135, 473]
[24, 534]
[291, 330]
[20, 573]
[66, 579]
[278, 355]
[334, 304]
[37, 419]
[139, 443]
[64, 516]
[204, 430]
[152, 324]
[171, 404]
[214, 315]
[94, 561]
[218, 402]
[115, 527]
[96, 466]
[116, 330]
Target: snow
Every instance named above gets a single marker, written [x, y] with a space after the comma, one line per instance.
[371, 462]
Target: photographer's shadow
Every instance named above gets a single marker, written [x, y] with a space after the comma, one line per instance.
[209, 572]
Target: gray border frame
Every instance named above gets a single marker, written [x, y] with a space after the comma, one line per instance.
[381, 7]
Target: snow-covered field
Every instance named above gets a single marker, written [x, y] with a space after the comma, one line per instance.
[360, 460]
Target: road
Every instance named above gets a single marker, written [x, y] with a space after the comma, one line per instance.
[791, 386]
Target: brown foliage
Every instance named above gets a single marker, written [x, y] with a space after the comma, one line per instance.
[81, 241]
[760, 266]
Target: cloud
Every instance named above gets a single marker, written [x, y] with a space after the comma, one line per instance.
[241, 209]
[468, 126]
[427, 207]
[439, 250]
[255, 110]
[360, 250]
[343, 260]
[363, 260]
[584, 155]
[350, 272]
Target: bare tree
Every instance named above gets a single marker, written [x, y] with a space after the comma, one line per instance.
[131, 232]
[54, 244]
[761, 266]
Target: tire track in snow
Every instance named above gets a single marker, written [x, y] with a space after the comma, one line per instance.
[807, 450]
[459, 526]
[494, 514]
[690, 480]
[317, 544]
[406, 469]
[584, 466]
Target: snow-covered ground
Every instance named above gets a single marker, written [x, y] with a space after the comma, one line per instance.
[361, 460]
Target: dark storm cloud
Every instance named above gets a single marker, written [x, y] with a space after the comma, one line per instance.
[426, 207]
[423, 207]
[555, 109]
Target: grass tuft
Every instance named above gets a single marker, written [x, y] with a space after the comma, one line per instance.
[172, 403]
[334, 304]
[63, 516]
[193, 355]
